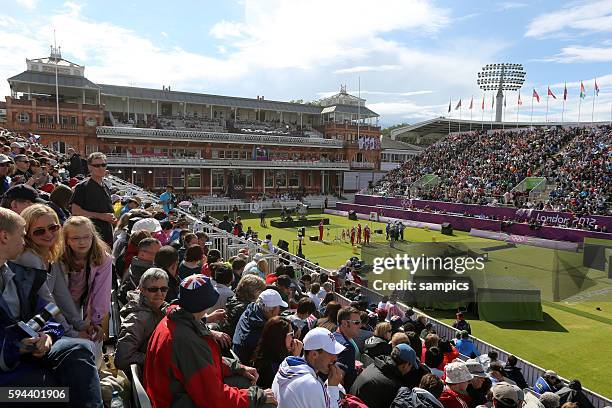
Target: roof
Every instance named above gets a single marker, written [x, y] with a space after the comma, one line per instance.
[219, 100]
[362, 112]
[47, 78]
[388, 143]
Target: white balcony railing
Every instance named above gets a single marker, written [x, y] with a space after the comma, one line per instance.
[115, 160]
[165, 134]
[362, 165]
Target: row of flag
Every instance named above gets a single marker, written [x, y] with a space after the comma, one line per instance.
[534, 95]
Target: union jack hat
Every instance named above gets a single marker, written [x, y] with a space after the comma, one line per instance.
[197, 293]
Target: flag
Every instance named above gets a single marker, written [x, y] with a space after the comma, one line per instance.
[504, 101]
[472, 103]
[519, 99]
[565, 92]
[535, 95]
[449, 106]
[582, 92]
[492, 101]
[483, 102]
[550, 93]
[458, 105]
[596, 88]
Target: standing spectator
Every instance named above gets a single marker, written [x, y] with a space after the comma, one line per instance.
[76, 164]
[139, 317]
[349, 323]
[462, 324]
[321, 226]
[91, 198]
[183, 364]
[277, 342]
[166, 199]
[458, 378]
[251, 323]
[87, 265]
[298, 384]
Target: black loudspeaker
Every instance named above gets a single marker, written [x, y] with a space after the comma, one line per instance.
[447, 228]
[284, 245]
[314, 238]
[378, 231]
[352, 215]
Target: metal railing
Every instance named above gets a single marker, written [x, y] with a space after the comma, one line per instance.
[129, 132]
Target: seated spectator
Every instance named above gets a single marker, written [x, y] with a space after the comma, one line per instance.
[379, 383]
[139, 317]
[365, 331]
[147, 249]
[313, 294]
[191, 263]
[349, 323]
[550, 400]
[426, 394]
[462, 324]
[433, 360]
[167, 259]
[572, 395]
[399, 338]
[247, 291]
[480, 384]
[87, 266]
[238, 265]
[457, 379]
[431, 340]
[466, 347]
[303, 319]
[214, 256]
[497, 374]
[298, 383]
[251, 323]
[282, 285]
[549, 381]
[183, 365]
[514, 373]
[59, 200]
[222, 283]
[276, 343]
[330, 317]
[20, 197]
[448, 349]
[49, 359]
[378, 344]
[506, 396]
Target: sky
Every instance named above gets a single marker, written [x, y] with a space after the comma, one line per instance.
[408, 58]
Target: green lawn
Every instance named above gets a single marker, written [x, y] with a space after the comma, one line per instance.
[573, 339]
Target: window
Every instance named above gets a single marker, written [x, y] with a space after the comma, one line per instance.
[177, 177]
[160, 177]
[269, 182]
[218, 178]
[59, 146]
[89, 149]
[23, 117]
[248, 178]
[193, 178]
[42, 118]
[310, 179]
[214, 154]
[281, 178]
[244, 155]
[236, 154]
[294, 178]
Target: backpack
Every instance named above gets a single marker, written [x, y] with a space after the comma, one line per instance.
[407, 398]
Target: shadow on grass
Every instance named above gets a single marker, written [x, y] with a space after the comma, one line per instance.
[549, 324]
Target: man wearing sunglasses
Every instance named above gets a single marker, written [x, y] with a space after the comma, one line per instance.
[92, 199]
[144, 310]
[349, 325]
[5, 166]
[22, 166]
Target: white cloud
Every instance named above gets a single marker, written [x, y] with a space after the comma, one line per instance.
[29, 4]
[164, 34]
[579, 53]
[586, 17]
[226, 30]
[368, 68]
[510, 5]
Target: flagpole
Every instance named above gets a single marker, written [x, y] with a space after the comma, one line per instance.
[547, 97]
[492, 102]
[460, 109]
[504, 118]
[580, 103]
[449, 115]
[563, 111]
[471, 111]
[531, 120]
[518, 108]
[482, 116]
[593, 107]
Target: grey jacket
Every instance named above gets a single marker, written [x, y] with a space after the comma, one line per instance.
[138, 321]
[56, 290]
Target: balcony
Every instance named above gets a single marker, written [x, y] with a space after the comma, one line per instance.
[117, 160]
[362, 165]
[200, 136]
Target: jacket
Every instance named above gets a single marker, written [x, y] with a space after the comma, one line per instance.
[234, 308]
[184, 368]
[451, 399]
[266, 369]
[347, 357]
[55, 290]
[248, 332]
[514, 373]
[296, 385]
[29, 282]
[99, 289]
[378, 384]
[415, 398]
[466, 347]
[132, 279]
[376, 346]
[138, 321]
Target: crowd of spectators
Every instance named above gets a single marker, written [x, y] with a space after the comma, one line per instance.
[482, 167]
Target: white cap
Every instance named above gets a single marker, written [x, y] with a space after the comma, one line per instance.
[457, 372]
[321, 338]
[147, 224]
[271, 298]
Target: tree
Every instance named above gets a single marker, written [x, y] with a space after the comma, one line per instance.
[386, 132]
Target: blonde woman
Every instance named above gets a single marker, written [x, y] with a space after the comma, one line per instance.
[87, 267]
[42, 251]
[378, 344]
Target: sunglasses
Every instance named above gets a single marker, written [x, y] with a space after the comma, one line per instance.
[354, 321]
[291, 333]
[39, 232]
[98, 165]
[155, 289]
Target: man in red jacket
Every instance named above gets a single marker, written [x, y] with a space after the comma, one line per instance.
[458, 378]
[183, 363]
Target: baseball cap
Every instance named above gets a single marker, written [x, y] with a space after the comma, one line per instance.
[5, 159]
[23, 192]
[147, 224]
[505, 393]
[457, 372]
[475, 368]
[271, 298]
[321, 338]
[407, 354]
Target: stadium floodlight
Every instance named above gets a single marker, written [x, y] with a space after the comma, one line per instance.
[500, 78]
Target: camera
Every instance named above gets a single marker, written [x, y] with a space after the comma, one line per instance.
[36, 323]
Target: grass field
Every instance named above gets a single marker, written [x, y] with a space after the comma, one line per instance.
[574, 337]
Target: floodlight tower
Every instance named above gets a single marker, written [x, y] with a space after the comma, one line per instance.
[500, 78]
